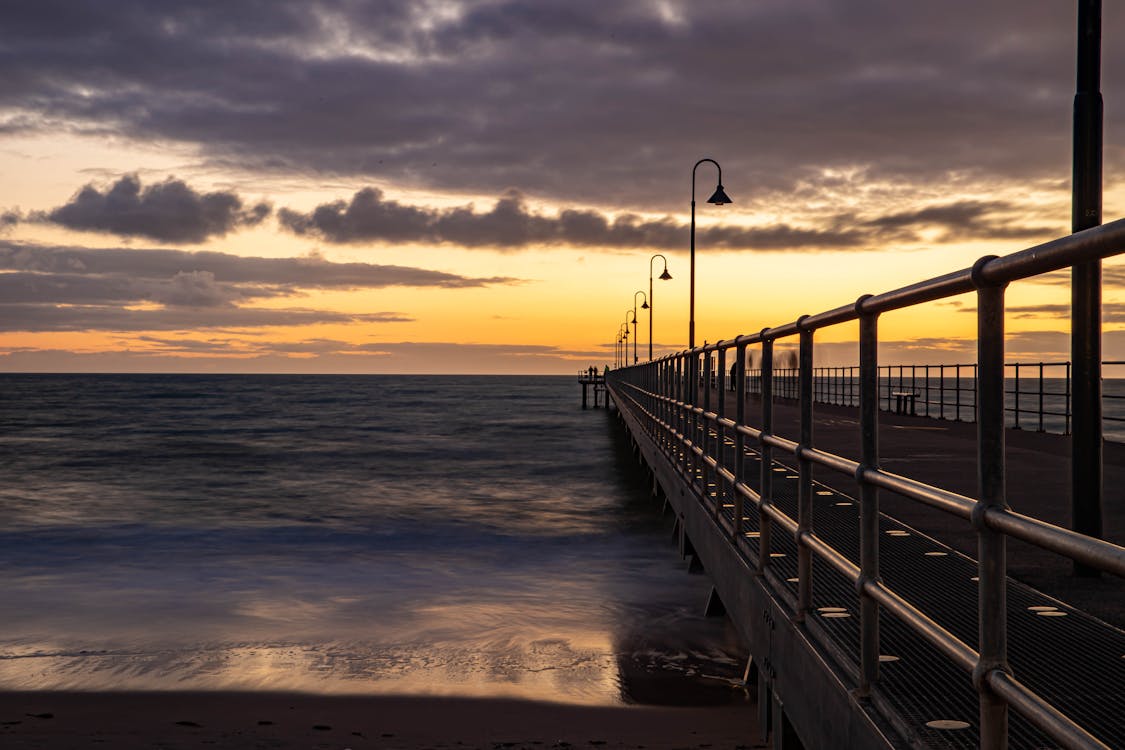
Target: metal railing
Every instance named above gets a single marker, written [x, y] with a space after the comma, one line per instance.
[1037, 401]
[682, 419]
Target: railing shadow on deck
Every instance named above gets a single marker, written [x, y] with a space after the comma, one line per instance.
[712, 452]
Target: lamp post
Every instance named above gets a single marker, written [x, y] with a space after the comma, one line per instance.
[643, 307]
[1086, 463]
[665, 276]
[719, 198]
[625, 354]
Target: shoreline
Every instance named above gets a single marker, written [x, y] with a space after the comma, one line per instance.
[126, 720]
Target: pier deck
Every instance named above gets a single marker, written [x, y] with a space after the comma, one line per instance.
[1062, 639]
[943, 453]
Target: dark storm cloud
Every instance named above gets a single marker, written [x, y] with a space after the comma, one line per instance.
[71, 289]
[285, 273]
[42, 318]
[572, 100]
[369, 217]
[169, 211]
[976, 220]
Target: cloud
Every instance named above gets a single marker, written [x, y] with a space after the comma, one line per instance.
[310, 272]
[1112, 312]
[369, 217]
[53, 318]
[960, 220]
[233, 354]
[169, 211]
[584, 101]
[46, 288]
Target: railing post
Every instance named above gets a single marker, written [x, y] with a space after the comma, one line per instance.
[941, 389]
[1040, 396]
[976, 392]
[739, 438]
[957, 392]
[868, 497]
[805, 472]
[765, 483]
[992, 587]
[720, 431]
[692, 367]
[681, 417]
[704, 427]
[1067, 407]
[1016, 401]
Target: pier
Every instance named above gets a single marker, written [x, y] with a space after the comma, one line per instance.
[593, 382]
[900, 581]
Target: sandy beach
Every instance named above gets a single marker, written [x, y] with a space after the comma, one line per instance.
[173, 720]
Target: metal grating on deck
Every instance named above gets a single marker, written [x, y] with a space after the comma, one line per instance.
[1073, 660]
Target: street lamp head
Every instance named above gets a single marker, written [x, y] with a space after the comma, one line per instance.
[644, 305]
[719, 197]
[666, 276]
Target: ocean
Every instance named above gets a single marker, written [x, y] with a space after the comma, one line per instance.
[472, 536]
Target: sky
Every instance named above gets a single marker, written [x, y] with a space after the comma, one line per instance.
[338, 186]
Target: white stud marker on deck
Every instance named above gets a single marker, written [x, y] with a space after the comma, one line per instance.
[798, 580]
[1041, 608]
[887, 658]
[835, 615]
[898, 532]
[777, 554]
[936, 554]
[825, 492]
[822, 610]
[947, 724]
[843, 504]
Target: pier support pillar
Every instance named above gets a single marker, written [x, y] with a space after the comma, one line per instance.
[715, 606]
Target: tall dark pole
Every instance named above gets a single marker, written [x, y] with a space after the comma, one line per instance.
[691, 284]
[651, 305]
[1086, 483]
[645, 306]
[719, 198]
[634, 335]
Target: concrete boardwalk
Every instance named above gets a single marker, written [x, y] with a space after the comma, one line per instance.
[943, 453]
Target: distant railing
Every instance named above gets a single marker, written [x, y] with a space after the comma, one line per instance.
[1037, 394]
[691, 425]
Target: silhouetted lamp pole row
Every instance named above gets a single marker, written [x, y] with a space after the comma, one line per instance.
[644, 306]
[719, 198]
[665, 276]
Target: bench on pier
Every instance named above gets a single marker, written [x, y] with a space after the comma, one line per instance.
[905, 400]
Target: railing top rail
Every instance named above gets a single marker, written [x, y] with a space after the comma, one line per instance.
[1088, 245]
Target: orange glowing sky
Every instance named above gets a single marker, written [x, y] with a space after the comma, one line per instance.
[479, 186]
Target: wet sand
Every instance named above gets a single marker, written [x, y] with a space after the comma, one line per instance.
[172, 720]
